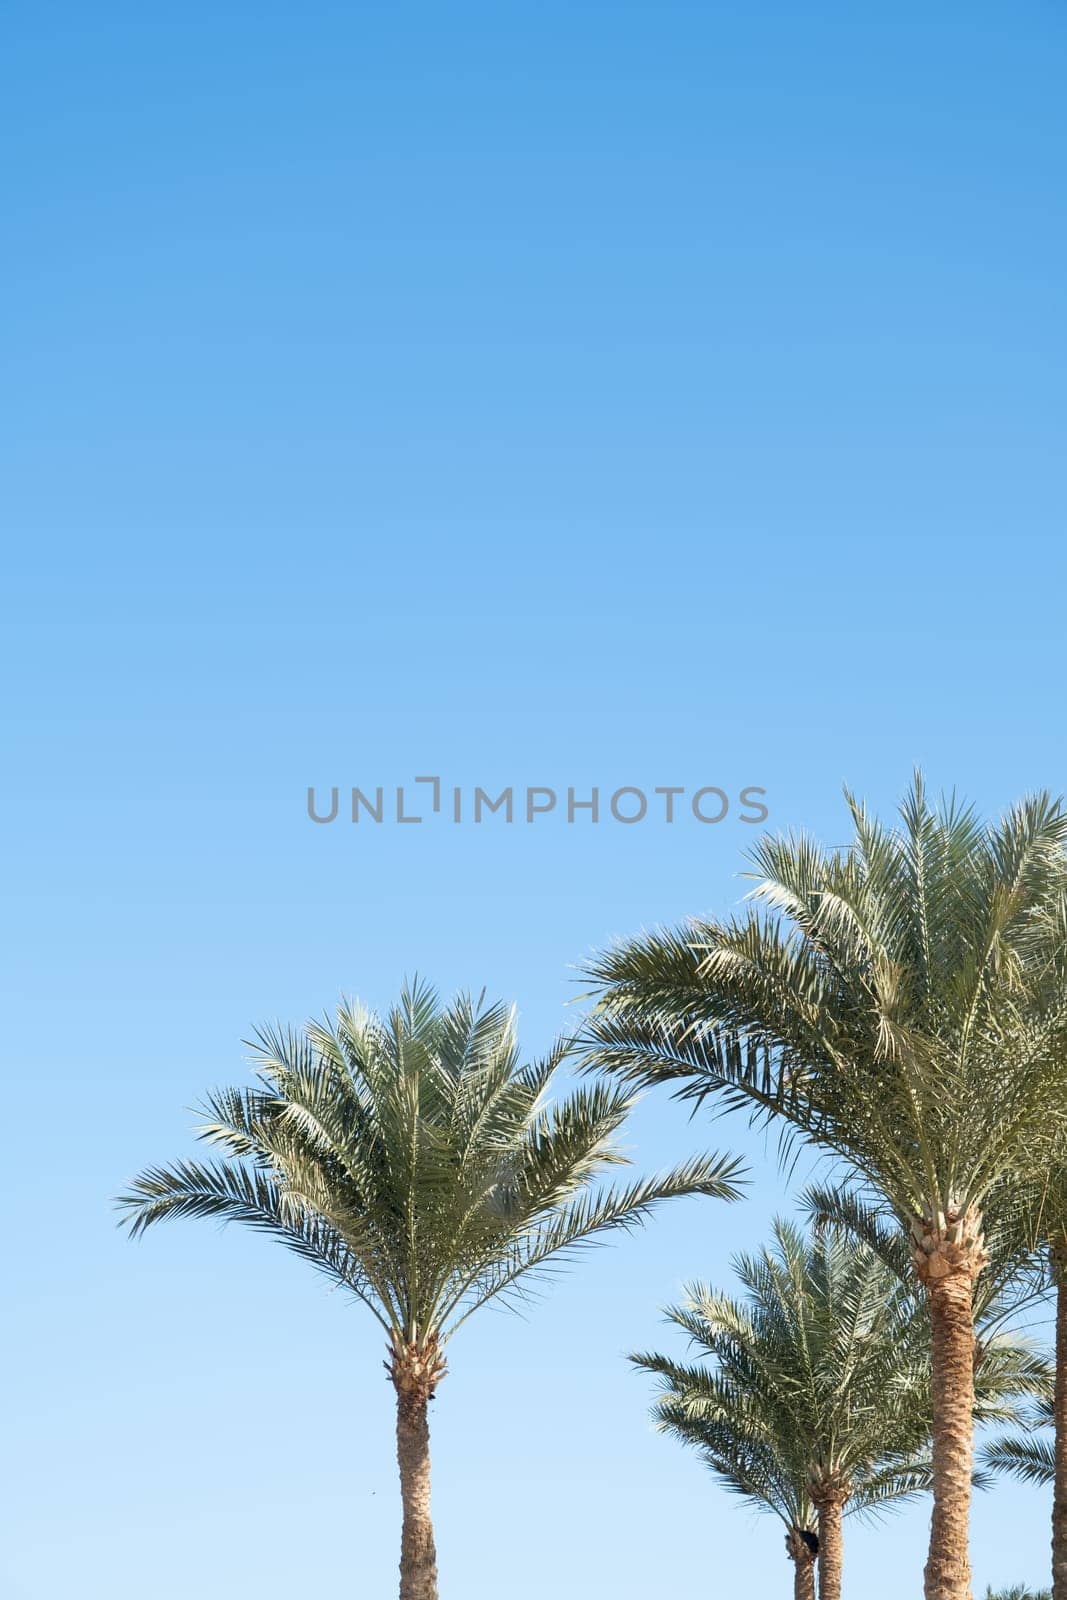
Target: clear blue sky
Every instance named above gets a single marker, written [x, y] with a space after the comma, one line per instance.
[557, 394]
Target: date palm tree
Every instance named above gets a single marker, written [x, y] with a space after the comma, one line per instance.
[901, 1002]
[811, 1393]
[420, 1165]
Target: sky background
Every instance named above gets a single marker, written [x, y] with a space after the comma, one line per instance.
[566, 394]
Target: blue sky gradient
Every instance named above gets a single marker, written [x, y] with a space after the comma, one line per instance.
[569, 395]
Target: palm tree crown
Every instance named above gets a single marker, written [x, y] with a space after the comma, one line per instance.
[828, 1344]
[903, 1001]
[415, 1160]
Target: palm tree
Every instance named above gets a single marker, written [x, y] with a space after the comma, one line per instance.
[812, 1392]
[1018, 1591]
[421, 1166]
[902, 1002]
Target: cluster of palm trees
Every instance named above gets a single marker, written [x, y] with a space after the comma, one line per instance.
[900, 1003]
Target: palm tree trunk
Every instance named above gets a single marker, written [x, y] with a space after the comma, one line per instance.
[418, 1556]
[948, 1568]
[831, 1548]
[416, 1370]
[803, 1559]
[804, 1578]
[1059, 1414]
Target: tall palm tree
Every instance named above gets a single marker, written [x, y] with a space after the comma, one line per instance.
[421, 1166]
[811, 1392]
[902, 1002]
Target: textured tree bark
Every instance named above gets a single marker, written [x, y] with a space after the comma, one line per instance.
[415, 1373]
[804, 1578]
[418, 1555]
[831, 1545]
[803, 1559]
[1059, 1414]
[949, 1256]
